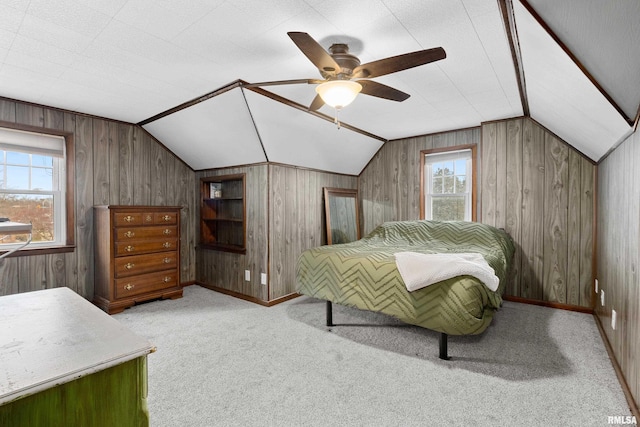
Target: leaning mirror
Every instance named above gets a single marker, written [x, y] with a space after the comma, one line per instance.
[341, 211]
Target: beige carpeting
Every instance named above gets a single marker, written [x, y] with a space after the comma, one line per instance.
[222, 361]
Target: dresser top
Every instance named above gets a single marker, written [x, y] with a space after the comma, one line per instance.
[137, 207]
[54, 336]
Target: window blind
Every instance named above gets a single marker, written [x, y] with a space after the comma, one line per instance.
[31, 142]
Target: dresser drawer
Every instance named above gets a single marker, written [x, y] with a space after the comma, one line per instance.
[125, 234]
[165, 218]
[135, 285]
[136, 247]
[127, 218]
[140, 264]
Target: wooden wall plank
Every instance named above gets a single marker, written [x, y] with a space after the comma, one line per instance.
[33, 273]
[126, 162]
[28, 114]
[574, 226]
[9, 279]
[158, 171]
[532, 268]
[84, 203]
[488, 177]
[101, 167]
[113, 159]
[513, 217]
[142, 170]
[500, 213]
[53, 119]
[7, 110]
[555, 219]
[587, 219]
[71, 259]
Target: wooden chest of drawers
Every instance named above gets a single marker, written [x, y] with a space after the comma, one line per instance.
[137, 253]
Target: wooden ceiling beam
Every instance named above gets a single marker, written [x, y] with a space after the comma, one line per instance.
[509, 21]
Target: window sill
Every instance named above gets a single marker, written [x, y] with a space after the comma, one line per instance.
[41, 251]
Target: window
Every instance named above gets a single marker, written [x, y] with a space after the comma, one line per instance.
[33, 184]
[447, 184]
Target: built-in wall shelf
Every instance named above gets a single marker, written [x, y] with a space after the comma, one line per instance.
[222, 213]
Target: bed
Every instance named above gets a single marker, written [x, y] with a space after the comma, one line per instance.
[364, 274]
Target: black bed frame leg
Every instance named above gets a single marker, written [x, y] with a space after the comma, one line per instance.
[329, 314]
[443, 346]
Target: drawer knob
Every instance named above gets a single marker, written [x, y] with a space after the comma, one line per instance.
[129, 218]
[166, 260]
[166, 245]
[167, 217]
[129, 286]
[166, 279]
[129, 248]
[129, 233]
[148, 218]
[129, 266]
[167, 231]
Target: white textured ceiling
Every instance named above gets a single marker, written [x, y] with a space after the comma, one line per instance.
[561, 97]
[133, 59]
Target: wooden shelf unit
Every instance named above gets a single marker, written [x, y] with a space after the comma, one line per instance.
[222, 213]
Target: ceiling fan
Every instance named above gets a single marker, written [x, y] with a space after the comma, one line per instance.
[344, 76]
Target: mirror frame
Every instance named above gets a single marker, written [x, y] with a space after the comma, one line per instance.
[340, 192]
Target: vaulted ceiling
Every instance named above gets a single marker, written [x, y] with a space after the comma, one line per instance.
[181, 68]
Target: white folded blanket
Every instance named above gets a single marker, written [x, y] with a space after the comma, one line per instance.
[419, 270]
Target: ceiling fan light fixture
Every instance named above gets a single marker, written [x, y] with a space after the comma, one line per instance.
[338, 93]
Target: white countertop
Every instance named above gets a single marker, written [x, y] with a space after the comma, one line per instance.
[54, 336]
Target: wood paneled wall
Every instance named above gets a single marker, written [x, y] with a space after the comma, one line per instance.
[115, 163]
[541, 191]
[619, 255]
[389, 187]
[297, 220]
[285, 215]
[225, 270]
[529, 182]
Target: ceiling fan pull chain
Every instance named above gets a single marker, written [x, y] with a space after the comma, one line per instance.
[335, 120]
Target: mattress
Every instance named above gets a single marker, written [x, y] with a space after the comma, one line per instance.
[363, 274]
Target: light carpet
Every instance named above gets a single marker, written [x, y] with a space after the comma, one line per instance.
[222, 361]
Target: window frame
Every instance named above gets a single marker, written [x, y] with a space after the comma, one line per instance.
[68, 244]
[474, 173]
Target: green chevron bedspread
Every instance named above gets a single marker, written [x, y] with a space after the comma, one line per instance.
[363, 274]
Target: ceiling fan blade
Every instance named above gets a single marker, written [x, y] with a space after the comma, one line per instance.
[399, 63]
[316, 104]
[371, 88]
[314, 52]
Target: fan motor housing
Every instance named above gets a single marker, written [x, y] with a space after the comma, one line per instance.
[346, 61]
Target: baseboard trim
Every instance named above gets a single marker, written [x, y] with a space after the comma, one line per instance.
[633, 405]
[192, 282]
[247, 297]
[551, 304]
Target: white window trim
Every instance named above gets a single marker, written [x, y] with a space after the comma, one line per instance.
[42, 144]
[429, 160]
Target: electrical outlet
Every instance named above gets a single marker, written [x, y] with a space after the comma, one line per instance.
[596, 286]
[247, 276]
[614, 317]
[263, 278]
[602, 297]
